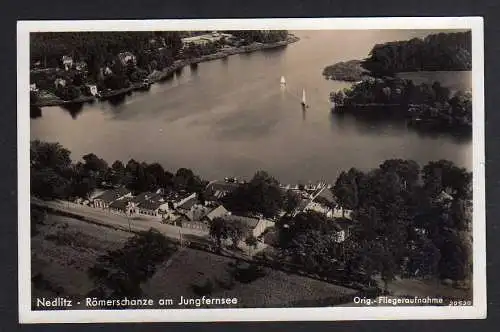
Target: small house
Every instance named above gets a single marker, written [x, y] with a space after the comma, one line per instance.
[126, 58]
[123, 205]
[180, 200]
[149, 203]
[217, 212]
[104, 200]
[60, 82]
[343, 228]
[67, 62]
[150, 207]
[254, 226]
[187, 205]
[219, 189]
[92, 89]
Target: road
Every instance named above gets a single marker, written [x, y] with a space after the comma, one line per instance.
[110, 219]
[136, 223]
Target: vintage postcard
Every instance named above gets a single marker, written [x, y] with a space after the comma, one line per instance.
[251, 170]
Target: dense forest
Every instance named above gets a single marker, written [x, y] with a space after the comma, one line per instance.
[99, 49]
[427, 101]
[349, 71]
[260, 36]
[407, 221]
[436, 52]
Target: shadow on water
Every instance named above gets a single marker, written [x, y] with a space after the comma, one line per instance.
[35, 112]
[116, 100]
[179, 71]
[273, 51]
[304, 113]
[167, 78]
[74, 109]
[368, 122]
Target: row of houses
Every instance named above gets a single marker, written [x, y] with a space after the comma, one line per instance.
[314, 197]
[152, 204]
[185, 209]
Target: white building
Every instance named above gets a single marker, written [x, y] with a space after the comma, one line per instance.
[60, 82]
[67, 62]
[92, 88]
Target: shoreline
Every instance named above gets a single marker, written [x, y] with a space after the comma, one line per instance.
[158, 76]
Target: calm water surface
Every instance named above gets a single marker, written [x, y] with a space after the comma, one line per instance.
[230, 117]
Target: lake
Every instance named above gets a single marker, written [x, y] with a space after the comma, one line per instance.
[230, 117]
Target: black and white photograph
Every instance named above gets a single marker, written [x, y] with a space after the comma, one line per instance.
[278, 169]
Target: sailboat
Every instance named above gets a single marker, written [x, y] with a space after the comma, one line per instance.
[283, 81]
[303, 101]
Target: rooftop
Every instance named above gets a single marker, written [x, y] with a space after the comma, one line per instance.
[247, 221]
[217, 212]
[197, 212]
[325, 195]
[142, 197]
[150, 204]
[120, 204]
[110, 195]
[187, 205]
[222, 186]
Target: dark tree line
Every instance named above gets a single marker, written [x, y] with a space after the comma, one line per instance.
[260, 36]
[431, 102]
[55, 176]
[442, 51]
[406, 221]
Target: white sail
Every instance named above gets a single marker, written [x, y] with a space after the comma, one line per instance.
[304, 97]
[283, 81]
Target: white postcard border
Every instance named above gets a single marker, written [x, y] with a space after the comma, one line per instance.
[478, 310]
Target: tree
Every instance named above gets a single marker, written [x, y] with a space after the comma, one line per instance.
[454, 179]
[46, 183]
[219, 231]
[49, 155]
[346, 191]
[236, 231]
[407, 170]
[251, 242]
[119, 273]
[95, 164]
[424, 258]
[261, 195]
[292, 201]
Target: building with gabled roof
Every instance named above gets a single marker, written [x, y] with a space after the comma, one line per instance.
[219, 211]
[123, 205]
[106, 198]
[254, 226]
[218, 189]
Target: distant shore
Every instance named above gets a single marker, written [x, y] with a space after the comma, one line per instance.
[179, 64]
[158, 76]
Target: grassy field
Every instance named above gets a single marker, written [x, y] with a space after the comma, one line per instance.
[65, 248]
[189, 268]
[63, 251]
